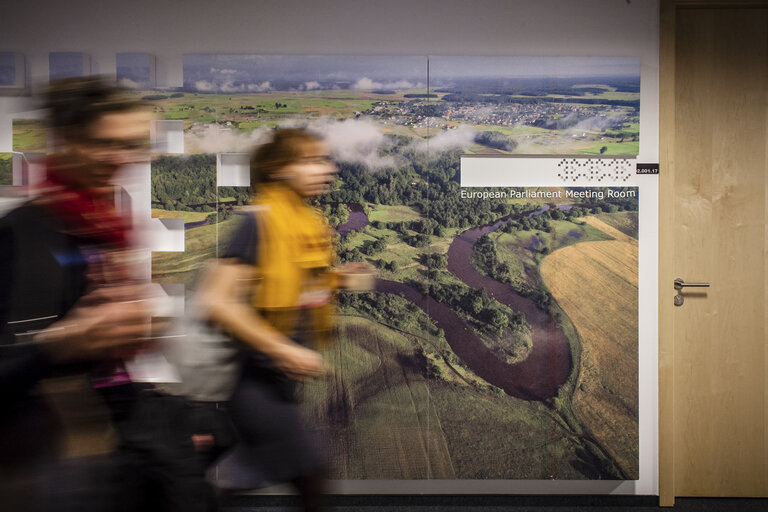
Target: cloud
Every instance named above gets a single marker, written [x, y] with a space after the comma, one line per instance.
[214, 138]
[355, 141]
[366, 84]
[230, 87]
[262, 87]
[599, 123]
[461, 137]
[312, 85]
[128, 83]
[204, 86]
[401, 84]
[551, 144]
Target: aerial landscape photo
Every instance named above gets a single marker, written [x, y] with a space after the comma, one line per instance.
[6, 168]
[500, 341]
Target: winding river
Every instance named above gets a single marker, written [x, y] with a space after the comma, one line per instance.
[546, 368]
[357, 219]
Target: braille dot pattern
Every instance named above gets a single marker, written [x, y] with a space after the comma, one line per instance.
[595, 170]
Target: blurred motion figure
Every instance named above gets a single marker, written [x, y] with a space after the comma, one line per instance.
[280, 259]
[70, 309]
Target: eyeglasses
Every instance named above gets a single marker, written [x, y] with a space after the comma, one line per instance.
[119, 145]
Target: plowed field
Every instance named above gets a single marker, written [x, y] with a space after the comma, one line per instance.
[595, 283]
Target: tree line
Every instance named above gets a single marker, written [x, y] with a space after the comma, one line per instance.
[188, 183]
[487, 315]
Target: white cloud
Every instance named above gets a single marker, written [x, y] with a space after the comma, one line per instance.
[262, 87]
[366, 84]
[312, 85]
[230, 87]
[204, 86]
[598, 123]
[461, 137]
[214, 138]
[400, 84]
[128, 83]
[351, 140]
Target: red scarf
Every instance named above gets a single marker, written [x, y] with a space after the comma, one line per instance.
[90, 215]
[86, 214]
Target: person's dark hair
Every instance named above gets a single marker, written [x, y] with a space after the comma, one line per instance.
[75, 103]
[283, 149]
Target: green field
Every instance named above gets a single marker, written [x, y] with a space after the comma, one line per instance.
[188, 217]
[6, 169]
[201, 244]
[626, 222]
[512, 130]
[613, 148]
[511, 438]
[522, 250]
[393, 213]
[516, 249]
[627, 128]
[29, 135]
[257, 109]
[375, 405]
[391, 419]
[357, 239]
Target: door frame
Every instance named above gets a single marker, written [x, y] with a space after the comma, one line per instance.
[667, 21]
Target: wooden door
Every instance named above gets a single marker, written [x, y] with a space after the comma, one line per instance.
[713, 357]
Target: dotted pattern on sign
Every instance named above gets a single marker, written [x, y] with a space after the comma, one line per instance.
[594, 169]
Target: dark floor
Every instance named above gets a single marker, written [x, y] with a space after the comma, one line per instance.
[499, 504]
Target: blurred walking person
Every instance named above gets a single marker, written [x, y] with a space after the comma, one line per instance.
[281, 256]
[70, 310]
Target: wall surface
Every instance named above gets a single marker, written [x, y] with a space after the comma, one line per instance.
[167, 30]
[398, 27]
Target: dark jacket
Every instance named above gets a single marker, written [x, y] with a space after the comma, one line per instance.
[42, 275]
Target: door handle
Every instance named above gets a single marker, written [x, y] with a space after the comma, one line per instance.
[680, 284]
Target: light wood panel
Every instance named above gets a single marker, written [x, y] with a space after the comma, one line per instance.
[713, 357]
[666, 242]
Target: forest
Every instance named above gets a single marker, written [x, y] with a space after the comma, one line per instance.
[6, 169]
[188, 183]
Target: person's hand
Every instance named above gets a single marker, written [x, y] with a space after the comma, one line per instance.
[355, 276]
[121, 293]
[106, 323]
[299, 362]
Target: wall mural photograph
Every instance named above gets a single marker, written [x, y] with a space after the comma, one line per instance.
[7, 69]
[134, 70]
[501, 340]
[6, 169]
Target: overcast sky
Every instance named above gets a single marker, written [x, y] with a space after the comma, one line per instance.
[219, 72]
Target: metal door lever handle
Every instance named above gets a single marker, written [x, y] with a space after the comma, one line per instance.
[680, 284]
